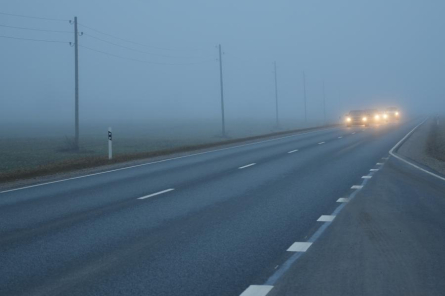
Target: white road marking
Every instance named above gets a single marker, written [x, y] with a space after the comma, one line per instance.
[246, 166]
[343, 199]
[257, 290]
[326, 218]
[366, 177]
[407, 162]
[340, 137]
[357, 187]
[165, 160]
[374, 170]
[379, 163]
[157, 193]
[293, 151]
[320, 143]
[299, 247]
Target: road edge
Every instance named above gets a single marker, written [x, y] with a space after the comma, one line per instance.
[394, 149]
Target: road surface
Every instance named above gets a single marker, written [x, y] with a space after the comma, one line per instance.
[388, 240]
[207, 224]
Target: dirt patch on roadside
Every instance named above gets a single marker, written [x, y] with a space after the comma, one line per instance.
[426, 145]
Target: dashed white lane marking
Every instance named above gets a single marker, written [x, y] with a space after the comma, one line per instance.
[374, 170]
[343, 199]
[157, 193]
[340, 137]
[246, 166]
[357, 187]
[379, 163]
[366, 177]
[299, 247]
[257, 290]
[326, 218]
[320, 143]
[293, 151]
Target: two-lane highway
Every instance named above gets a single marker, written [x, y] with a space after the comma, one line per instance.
[212, 223]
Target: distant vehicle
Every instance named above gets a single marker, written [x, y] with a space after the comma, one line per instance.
[357, 117]
[375, 116]
[392, 114]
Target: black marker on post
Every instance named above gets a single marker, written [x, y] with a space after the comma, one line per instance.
[110, 143]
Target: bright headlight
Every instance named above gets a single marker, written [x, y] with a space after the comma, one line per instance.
[377, 117]
[397, 113]
[364, 118]
[348, 119]
[385, 116]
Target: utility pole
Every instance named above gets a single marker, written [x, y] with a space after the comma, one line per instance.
[222, 92]
[76, 81]
[276, 94]
[324, 105]
[304, 93]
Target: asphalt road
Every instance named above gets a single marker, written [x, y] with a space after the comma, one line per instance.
[224, 225]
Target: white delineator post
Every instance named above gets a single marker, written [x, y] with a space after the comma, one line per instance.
[110, 143]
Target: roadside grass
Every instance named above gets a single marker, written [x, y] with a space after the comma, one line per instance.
[436, 145]
[26, 157]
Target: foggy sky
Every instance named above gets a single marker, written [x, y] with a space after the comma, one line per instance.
[369, 53]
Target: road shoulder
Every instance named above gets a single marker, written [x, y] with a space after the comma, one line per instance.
[387, 241]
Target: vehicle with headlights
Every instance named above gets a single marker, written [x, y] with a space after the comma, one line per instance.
[356, 117]
[374, 116]
[392, 114]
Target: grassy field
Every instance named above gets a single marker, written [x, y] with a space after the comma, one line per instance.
[24, 153]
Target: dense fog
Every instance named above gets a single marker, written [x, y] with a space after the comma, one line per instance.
[158, 60]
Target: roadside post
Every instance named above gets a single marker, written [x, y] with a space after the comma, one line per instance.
[110, 143]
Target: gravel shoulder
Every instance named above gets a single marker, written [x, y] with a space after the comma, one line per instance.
[426, 145]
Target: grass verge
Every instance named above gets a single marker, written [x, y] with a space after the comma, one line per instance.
[97, 161]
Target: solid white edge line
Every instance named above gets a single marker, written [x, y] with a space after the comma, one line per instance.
[165, 160]
[246, 166]
[407, 162]
[157, 193]
[293, 151]
[257, 290]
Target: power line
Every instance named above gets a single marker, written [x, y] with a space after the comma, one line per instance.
[32, 29]
[34, 17]
[143, 61]
[137, 43]
[137, 50]
[29, 39]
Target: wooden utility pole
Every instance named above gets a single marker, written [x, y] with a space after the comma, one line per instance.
[222, 92]
[304, 93]
[276, 95]
[76, 81]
